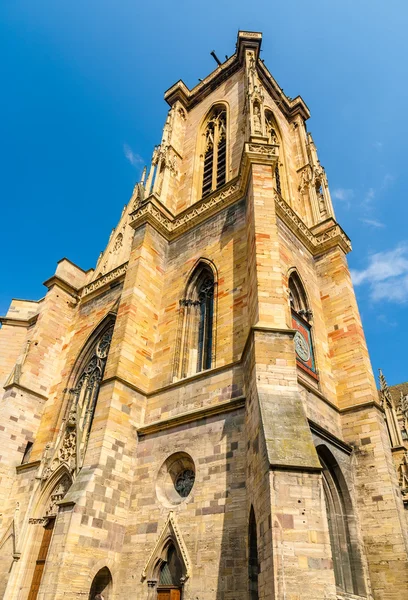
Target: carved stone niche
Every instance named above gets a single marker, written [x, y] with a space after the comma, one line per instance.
[57, 494]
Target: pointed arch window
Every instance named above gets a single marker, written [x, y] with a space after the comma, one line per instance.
[301, 322]
[271, 132]
[346, 558]
[215, 151]
[83, 396]
[171, 570]
[195, 347]
[101, 585]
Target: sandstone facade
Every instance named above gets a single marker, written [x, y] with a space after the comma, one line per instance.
[197, 416]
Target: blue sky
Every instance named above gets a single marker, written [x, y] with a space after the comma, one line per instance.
[82, 107]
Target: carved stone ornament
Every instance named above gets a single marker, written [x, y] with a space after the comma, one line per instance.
[262, 149]
[404, 405]
[71, 446]
[118, 243]
[304, 181]
[40, 521]
[105, 279]
[58, 494]
[169, 531]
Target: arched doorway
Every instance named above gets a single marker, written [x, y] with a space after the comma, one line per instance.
[170, 575]
[48, 521]
[101, 585]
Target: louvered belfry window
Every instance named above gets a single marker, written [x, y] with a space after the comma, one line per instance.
[215, 151]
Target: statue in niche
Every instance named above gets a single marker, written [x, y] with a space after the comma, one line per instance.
[257, 119]
[304, 182]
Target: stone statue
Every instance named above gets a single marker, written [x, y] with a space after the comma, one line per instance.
[257, 119]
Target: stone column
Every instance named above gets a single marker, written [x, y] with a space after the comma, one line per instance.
[283, 469]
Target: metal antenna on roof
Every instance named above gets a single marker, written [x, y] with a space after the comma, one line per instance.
[215, 57]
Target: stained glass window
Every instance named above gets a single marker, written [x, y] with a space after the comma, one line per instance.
[184, 483]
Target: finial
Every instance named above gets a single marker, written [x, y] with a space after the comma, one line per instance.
[142, 181]
[385, 392]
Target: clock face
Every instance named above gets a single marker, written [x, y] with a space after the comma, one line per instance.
[301, 347]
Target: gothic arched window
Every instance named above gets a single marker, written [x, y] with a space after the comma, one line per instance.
[271, 132]
[171, 570]
[84, 393]
[215, 150]
[297, 296]
[346, 559]
[101, 585]
[301, 317]
[253, 562]
[194, 351]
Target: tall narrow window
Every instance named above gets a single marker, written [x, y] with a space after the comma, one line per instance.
[194, 349]
[253, 563]
[77, 424]
[86, 390]
[346, 559]
[205, 328]
[215, 151]
[301, 317]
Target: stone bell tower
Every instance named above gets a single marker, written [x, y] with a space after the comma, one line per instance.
[197, 416]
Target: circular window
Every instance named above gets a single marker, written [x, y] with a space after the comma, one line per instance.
[175, 479]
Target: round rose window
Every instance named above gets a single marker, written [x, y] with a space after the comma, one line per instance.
[175, 479]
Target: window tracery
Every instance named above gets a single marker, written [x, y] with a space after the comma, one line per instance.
[194, 350]
[215, 151]
[71, 448]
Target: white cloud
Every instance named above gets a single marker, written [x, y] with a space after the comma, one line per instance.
[134, 159]
[386, 321]
[368, 198]
[343, 194]
[373, 223]
[386, 274]
[388, 179]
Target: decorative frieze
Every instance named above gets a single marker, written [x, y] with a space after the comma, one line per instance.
[105, 279]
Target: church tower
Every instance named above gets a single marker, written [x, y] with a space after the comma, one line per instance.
[197, 418]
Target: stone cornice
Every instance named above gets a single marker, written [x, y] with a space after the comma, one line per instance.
[171, 227]
[13, 322]
[327, 235]
[362, 406]
[26, 466]
[316, 243]
[24, 388]
[117, 274]
[193, 415]
[61, 283]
